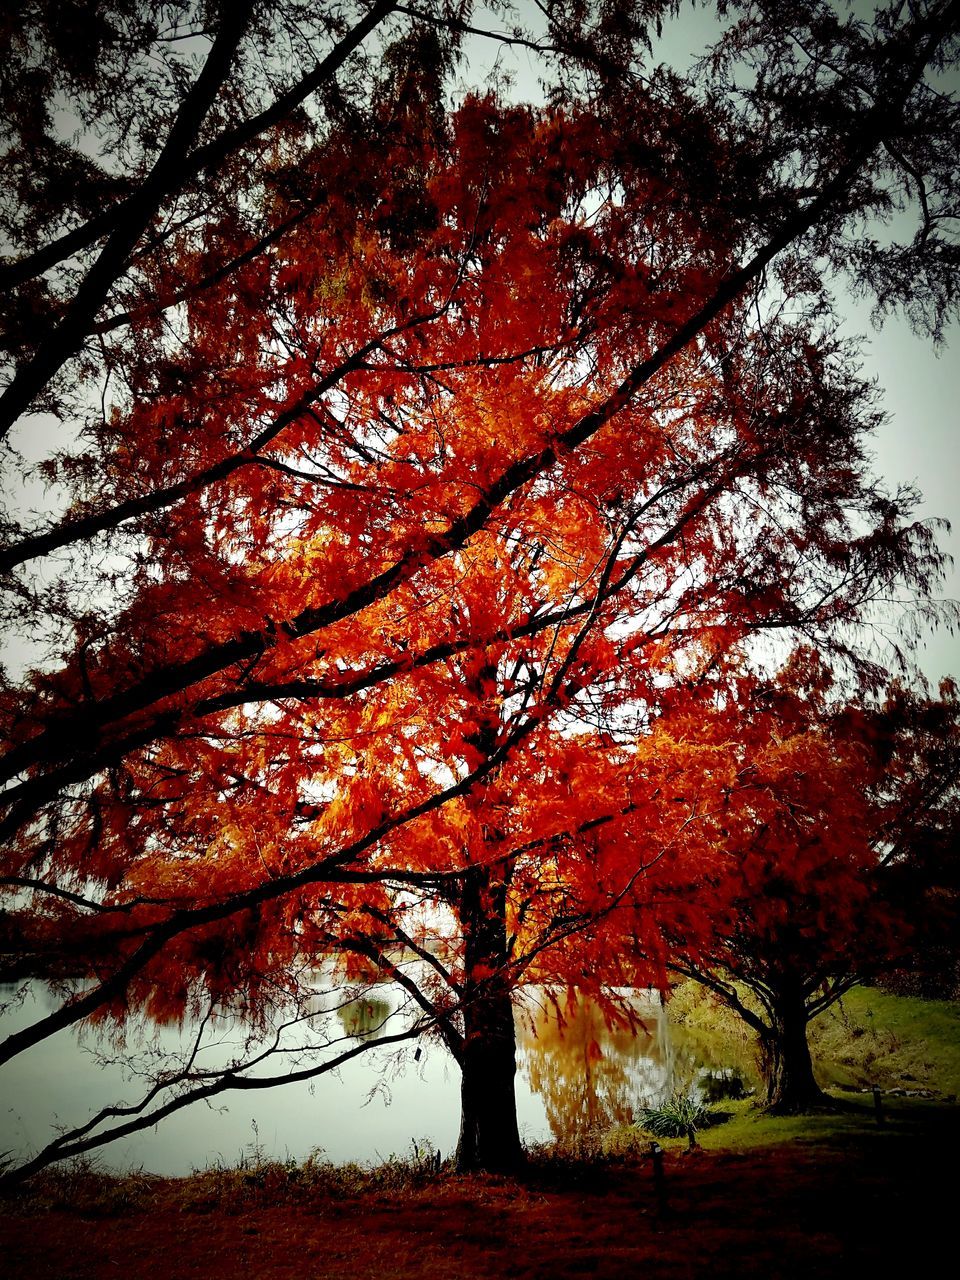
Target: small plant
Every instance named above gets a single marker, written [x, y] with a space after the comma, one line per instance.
[680, 1117]
[426, 1158]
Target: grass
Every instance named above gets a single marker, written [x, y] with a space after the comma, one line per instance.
[781, 1199]
[738, 1127]
[869, 1037]
[893, 1041]
[744, 1128]
[787, 1212]
[84, 1186]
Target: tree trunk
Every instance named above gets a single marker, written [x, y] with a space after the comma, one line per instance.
[489, 1135]
[785, 1057]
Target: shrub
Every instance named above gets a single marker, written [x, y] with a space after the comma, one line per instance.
[680, 1117]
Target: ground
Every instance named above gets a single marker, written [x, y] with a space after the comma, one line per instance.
[849, 1197]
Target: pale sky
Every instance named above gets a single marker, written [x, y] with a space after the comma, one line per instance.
[918, 445]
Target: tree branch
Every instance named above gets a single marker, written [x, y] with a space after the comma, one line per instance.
[202, 160]
[75, 324]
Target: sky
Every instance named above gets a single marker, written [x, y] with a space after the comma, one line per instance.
[919, 445]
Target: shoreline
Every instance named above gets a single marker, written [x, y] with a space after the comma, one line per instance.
[821, 1202]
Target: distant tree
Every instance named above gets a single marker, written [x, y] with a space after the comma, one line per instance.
[919, 840]
[822, 857]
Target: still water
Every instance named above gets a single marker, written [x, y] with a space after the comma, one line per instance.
[575, 1075]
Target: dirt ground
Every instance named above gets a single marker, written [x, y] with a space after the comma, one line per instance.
[883, 1207]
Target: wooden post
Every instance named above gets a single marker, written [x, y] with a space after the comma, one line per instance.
[659, 1178]
[878, 1106]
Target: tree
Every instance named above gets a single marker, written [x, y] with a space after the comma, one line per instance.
[380, 577]
[827, 823]
[918, 740]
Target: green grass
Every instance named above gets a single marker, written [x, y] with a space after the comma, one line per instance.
[893, 1041]
[869, 1037]
[741, 1127]
[748, 1129]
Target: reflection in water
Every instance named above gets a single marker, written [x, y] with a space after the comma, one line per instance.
[42, 998]
[592, 1075]
[722, 1083]
[577, 1077]
[365, 1018]
[589, 1074]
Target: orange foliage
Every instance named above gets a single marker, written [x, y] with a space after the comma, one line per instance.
[443, 578]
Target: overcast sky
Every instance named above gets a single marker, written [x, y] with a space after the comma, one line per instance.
[918, 445]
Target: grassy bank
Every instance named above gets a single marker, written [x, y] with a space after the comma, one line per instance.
[867, 1038]
[895, 1041]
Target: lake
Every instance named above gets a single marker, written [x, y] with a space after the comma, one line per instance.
[572, 1079]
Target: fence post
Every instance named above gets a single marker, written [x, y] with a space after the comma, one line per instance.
[659, 1178]
[878, 1106]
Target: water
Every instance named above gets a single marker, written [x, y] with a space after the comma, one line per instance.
[575, 1075]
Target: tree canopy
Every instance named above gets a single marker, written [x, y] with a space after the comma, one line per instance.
[424, 459]
[839, 812]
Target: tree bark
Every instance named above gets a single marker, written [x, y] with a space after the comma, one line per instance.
[489, 1134]
[785, 1064]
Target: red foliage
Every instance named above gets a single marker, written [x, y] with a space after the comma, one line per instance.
[430, 523]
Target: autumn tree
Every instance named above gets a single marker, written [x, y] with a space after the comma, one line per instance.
[831, 814]
[918, 740]
[418, 463]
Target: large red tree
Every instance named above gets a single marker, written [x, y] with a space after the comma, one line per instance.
[398, 528]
